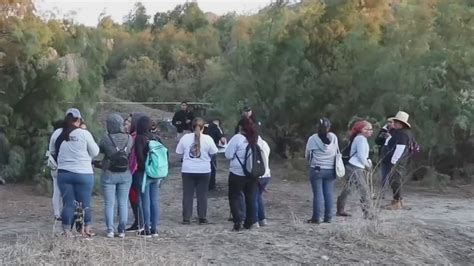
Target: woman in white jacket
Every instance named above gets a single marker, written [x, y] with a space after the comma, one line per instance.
[359, 164]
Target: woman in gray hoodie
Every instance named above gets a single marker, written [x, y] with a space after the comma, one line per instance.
[116, 177]
[321, 151]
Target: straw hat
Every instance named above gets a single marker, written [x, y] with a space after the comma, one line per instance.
[402, 117]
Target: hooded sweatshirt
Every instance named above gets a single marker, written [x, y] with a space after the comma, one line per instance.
[141, 141]
[322, 155]
[115, 131]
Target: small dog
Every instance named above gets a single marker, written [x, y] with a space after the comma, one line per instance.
[78, 217]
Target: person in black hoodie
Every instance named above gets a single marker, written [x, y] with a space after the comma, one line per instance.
[182, 120]
[396, 154]
[149, 199]
[214, 130]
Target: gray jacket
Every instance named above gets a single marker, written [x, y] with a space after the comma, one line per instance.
[115, 131]
[322, 155]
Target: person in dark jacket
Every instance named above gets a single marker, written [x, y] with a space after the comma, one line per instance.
[182, 120]
[396, 154]
[149, 198]
[115, 182]
[381, 140]
[214, 130]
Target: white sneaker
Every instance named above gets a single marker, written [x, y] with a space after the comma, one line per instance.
[121, 235]
[263, 222]
[255, 226]
[155, 235]
[110, 235]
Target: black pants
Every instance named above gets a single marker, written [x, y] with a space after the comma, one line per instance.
[198, 183]
[212, 181]
[241, 186]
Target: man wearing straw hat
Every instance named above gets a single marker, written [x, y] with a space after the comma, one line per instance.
[397, 155]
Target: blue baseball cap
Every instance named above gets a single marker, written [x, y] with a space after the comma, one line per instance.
[74, 112]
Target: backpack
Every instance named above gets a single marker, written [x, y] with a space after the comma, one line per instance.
[253, 165]
[119, 160]
[156, 163]
[413, 147]
[346, 153]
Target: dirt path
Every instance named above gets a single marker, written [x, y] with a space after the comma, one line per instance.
[439, 229]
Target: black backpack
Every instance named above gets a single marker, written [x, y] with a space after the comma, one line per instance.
[346, 153]
[253, 165]
[119, 160]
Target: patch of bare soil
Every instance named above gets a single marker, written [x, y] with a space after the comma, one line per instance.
[439, 229]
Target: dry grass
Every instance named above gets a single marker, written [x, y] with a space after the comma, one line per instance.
[44, 249]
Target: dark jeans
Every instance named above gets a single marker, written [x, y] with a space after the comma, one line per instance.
[191, 183]
[262, 184]
[137, 207]
[322, 183]
[75, 188]
[212, 180]
[241, 186]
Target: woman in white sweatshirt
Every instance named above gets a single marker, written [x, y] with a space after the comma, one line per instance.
[359, 163]
[75, 148]
[242, 189]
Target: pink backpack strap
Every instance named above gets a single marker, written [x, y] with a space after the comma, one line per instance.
[132, 161]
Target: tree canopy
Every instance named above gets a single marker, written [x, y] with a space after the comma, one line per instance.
[343, 59]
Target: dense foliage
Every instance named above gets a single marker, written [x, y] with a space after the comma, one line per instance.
[293, 63]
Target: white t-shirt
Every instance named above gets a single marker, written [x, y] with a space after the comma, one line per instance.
[237, 147]
[196, 162]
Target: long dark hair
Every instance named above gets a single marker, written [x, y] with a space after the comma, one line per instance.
[324, 125]
[68, 126]
[248, 129]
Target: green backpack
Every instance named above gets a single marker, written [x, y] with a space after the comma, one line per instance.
[156, 164]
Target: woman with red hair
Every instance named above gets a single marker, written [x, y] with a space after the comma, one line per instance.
[357, 167]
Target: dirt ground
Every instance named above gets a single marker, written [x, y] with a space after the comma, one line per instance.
[438, 229]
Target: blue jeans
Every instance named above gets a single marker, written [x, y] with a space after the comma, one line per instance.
[116, 186]
[262, 184]
[322, 183]
[75, 188]
[150, 204]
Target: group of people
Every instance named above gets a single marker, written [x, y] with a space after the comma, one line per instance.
[322, 149]
[127, 149]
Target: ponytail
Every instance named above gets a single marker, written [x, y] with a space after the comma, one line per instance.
[198, 125]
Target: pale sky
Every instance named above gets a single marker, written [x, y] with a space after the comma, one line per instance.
[88, 11]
